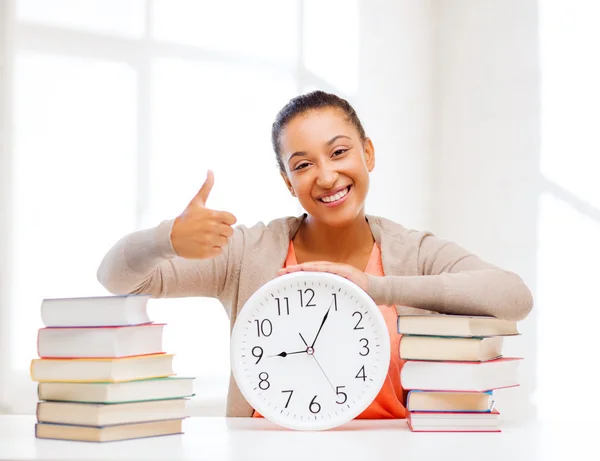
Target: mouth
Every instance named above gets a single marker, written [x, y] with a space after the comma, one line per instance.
[336, 199]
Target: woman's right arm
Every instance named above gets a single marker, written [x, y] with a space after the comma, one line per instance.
[186, 256]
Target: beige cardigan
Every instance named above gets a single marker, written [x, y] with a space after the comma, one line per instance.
[425, 272]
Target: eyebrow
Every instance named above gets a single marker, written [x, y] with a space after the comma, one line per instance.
[328, 143]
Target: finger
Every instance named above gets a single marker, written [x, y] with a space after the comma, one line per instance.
[202, 196]
[290, 269]
[224, 230]
[216, 251]
[226, 218]
[325, 266]
[219, 241]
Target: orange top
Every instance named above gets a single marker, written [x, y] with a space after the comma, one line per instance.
[389, 402]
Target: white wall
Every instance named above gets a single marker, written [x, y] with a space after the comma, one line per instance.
[4, 191]
[448, 90]
[395, 104]
[485, 162]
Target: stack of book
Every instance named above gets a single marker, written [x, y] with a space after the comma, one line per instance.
[453, 366]
[102, 374]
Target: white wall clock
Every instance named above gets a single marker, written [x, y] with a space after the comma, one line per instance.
[310, 350]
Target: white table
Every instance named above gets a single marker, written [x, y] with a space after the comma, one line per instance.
[252, 439]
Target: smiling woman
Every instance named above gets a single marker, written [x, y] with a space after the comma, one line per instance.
[325, 159]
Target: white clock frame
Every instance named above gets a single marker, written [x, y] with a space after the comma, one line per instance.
[339, 351]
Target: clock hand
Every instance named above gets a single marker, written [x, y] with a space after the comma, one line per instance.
[324, 374]
[285, 354]
[303, 340]
[322, 323]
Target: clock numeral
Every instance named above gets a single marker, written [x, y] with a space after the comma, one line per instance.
[356, 327]
[363, 376]
[314, 407]
[287, 306]
[364, 346]
[334, 301]
[338, 392]
[289, 398]
[309, 303]
[264, 380]
[257, 354]
[265, 327]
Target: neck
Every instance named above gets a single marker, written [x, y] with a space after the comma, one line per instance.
[334, 243]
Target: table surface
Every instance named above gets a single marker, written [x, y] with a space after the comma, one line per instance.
[214, 438]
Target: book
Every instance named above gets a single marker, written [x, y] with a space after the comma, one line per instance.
[118, 392]
[108, 433]
[460, 376]
[441, 401]
[95, 311]
[102, 414]
[445, 348]
[453, 422]
[124, 341]
[455, 325]
[103, 370]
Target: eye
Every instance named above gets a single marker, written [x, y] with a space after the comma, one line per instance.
[339, 152]
[301, 166]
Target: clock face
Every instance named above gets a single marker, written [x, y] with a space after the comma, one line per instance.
[310, 350]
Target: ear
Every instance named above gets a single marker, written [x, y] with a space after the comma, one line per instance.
[369, 150]
[287, 182]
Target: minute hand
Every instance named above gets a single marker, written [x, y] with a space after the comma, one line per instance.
[322, 323]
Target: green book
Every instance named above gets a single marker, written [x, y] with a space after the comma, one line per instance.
[173, 387]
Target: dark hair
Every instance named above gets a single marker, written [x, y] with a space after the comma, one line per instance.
[303, 103]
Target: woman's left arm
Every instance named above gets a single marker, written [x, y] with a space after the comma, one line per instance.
[454, 281]
[451, 281]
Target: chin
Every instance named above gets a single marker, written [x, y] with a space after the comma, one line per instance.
[338, 218]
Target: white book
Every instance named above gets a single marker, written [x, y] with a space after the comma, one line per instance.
[454, 422]
[95, 311]
[455, 325]
[460, 376]
[100, 342]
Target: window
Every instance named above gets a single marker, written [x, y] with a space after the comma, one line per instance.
[118, 110]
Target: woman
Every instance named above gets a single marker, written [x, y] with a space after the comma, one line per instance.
[325, 159]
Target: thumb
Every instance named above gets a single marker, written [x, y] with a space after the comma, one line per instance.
[202, 195]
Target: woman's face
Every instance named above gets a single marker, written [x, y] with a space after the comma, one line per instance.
[327, 165]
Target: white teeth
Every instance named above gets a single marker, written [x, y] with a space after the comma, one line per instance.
[333, 198]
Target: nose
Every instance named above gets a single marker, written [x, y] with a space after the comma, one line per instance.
[327, 177]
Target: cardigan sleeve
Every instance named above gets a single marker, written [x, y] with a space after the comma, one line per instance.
[144, 262]
[454, 281]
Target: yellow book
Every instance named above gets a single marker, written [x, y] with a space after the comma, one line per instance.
[102, 370]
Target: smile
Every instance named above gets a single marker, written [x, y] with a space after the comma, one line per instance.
[336, 199]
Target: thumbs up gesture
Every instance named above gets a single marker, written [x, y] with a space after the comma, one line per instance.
[199, 232]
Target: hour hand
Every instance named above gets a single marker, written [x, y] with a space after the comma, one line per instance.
[285, 354]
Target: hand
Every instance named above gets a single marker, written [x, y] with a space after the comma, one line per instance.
[201, 233]
[344, 270]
